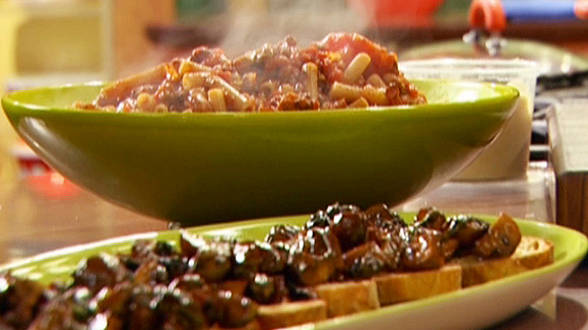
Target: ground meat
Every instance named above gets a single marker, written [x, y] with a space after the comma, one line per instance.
[343, 70]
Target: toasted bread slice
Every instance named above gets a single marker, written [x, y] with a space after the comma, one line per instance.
[343, 298]
[532, 252]
[348, 297]
[399, 287]
[253, 325]
[291, 313]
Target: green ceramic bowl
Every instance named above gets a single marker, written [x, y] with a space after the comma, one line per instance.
[202, 168]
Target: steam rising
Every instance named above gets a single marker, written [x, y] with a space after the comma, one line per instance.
[305, 20]
[248, 24]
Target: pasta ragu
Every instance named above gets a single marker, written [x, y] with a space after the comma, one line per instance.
[341, 71]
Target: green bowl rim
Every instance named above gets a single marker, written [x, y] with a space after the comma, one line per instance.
[10, 102]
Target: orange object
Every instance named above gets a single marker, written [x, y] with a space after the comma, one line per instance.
[581, 9]
[488, 15]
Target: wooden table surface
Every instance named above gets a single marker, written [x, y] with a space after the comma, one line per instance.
[38, 216]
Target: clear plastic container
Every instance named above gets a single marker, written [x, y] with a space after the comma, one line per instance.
[507, 157]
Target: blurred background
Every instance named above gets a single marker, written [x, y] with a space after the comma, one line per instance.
[57, 41]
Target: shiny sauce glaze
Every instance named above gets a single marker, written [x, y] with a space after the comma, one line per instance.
[221, 282]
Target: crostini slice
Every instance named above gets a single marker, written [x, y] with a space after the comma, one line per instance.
[531, 253]
[349, 297]
[406, 286]
[291, 313]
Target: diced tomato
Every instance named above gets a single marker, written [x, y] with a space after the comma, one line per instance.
[349, 45]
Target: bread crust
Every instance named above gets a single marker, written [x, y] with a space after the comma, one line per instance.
[253, 325]
[400, 287]
[291, 313]
[348, 297]
[531, 253]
